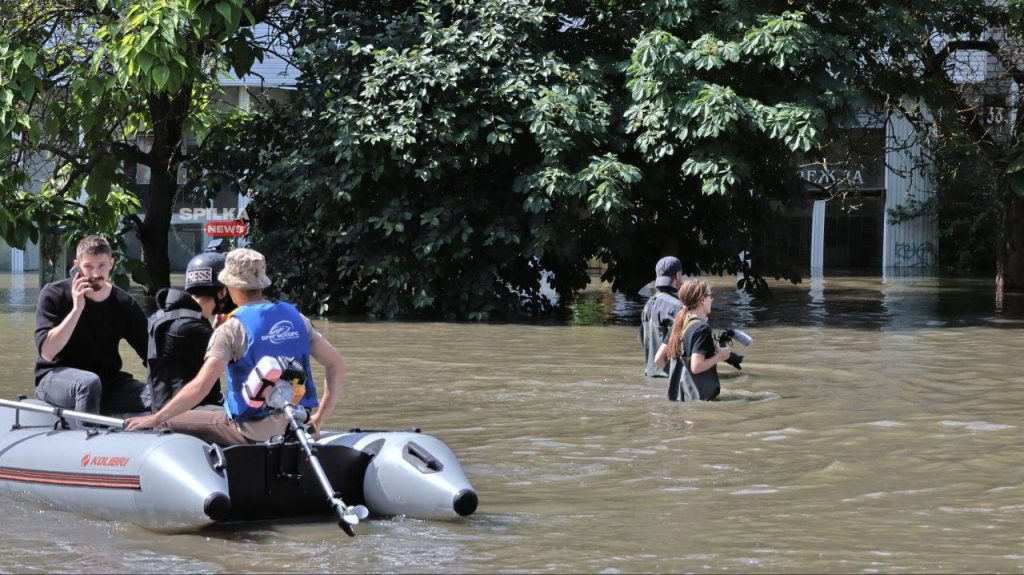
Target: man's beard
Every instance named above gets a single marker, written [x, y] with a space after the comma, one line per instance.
[96, 282]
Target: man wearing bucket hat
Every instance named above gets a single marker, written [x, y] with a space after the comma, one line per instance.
[658, 314]
[256, 329]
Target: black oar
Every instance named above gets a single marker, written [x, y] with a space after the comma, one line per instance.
[348, 516]
[61, 413]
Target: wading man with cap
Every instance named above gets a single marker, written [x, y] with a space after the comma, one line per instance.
[657, 315]
[180, 331]
[79, 324]
[257, 328]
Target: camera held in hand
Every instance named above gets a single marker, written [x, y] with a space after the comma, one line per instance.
[740, 336]
[727, 335]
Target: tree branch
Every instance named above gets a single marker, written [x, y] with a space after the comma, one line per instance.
[131, 153]
[953, 98]
[62, 153]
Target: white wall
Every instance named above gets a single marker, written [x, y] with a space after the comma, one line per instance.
[29, 258]
[910, 245]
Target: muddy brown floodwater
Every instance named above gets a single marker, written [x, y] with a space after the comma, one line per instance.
[875, 427]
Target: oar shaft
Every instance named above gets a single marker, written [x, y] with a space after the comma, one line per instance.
[67, 413]
[304, 440]
[335, 501]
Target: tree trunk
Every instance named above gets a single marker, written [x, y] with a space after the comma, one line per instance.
[1010, 262]
[155, 231]
[52, 260]
[168, 117]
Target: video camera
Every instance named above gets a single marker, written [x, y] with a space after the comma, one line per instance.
[740, 336]
[727, 335]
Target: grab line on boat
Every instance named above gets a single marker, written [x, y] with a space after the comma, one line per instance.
[101, 480]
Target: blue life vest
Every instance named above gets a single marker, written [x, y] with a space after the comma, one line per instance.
[275, 329]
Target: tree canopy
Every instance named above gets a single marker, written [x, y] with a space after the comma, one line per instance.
[453, 157]
[432, 159]
[82, 80]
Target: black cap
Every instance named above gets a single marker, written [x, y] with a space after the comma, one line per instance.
[666, 269]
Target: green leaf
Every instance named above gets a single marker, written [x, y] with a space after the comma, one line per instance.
[1016, 183]
[34, 134]
[100, 180]
[1017, 160]
[138, 272]
[160, 75]
[28, 89]
[144, 61]
[121, 280]
[243, 56]
[224, 9]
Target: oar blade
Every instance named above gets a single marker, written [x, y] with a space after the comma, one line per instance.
[346, 527]
[354, 513]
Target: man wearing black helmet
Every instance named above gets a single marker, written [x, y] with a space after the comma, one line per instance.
[180, 330]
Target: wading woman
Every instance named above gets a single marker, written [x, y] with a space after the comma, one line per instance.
[693, 372]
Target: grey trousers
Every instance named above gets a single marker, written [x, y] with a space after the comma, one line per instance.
[82, 390]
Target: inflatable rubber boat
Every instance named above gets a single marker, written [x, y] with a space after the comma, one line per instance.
[173, 482]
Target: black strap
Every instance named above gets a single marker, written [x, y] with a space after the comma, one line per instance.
[692, 322]
[158, 320]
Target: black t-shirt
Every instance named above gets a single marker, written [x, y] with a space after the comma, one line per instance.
[93, 345]
[700, 340]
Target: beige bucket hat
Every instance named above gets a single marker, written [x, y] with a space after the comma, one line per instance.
[244, 269]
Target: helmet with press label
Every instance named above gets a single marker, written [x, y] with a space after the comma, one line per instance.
[202, 271]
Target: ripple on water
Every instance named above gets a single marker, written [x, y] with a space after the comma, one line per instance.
[836, 467]
[775, 434]
[682, 489]
[746, 396]
[756, 490]
[976, 425]
[530, 409]
[886, 423]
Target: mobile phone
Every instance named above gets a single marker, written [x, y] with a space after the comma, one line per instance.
[75, 273]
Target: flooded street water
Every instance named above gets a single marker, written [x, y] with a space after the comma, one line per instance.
[875, 427]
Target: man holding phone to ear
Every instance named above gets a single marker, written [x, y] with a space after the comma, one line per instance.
[79, 324]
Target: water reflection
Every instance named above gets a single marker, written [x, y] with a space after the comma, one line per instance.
[862, 302]
[16, 291]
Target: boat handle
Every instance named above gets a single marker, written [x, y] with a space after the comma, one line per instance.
[215, 455]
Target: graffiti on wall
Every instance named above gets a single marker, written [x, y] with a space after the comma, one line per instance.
[914, 255]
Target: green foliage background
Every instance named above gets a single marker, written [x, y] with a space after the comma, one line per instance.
[439, 159]
[447, 158]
